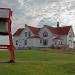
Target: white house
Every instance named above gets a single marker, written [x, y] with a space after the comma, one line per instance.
[47, 36]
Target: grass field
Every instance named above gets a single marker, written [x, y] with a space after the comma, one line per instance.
[39, 62]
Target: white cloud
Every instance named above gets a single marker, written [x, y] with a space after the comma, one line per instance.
[32, 11]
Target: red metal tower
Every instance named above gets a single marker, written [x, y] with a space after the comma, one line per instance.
[5, 16]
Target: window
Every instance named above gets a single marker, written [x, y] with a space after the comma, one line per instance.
[70, 35]
[45, 42]
[40, 41]
[16, 42]
[25, 42]
[45, 34]
[29, 34]
[55, 43]
[60, 42]
[25, 34]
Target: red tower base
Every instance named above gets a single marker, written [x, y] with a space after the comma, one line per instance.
[12, 55]
[11, 52]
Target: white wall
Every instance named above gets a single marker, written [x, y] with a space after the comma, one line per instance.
[74, 45]
[4, 13]
[21, 38]
[14, 42]
[34, 42]
[50, 36]
[63, 38]
[70, 39]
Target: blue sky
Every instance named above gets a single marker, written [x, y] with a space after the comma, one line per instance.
[32, 12]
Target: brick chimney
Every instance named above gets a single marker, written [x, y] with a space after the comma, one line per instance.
[25, 25]
[57, 24]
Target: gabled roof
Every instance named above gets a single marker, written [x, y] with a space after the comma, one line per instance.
[34, 30]
[60, 30]
[55, 30]
[18, 32]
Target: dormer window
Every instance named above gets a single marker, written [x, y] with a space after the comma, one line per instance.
[29, 34]
[25, 34]
[45, 34]
[16, 42]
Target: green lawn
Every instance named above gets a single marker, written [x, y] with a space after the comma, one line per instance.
[39, 62]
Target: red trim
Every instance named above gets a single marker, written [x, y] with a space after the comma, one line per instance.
[4, 46]
[11, 48]
[3, 18]
[6, 8]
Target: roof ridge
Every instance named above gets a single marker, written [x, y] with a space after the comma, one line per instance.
[55, 30]
[60, 30]
[33, 27]
[18, 32]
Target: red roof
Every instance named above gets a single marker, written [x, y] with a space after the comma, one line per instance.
[18, 32]
[60, 30]
[54, 30]
[34, 29]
